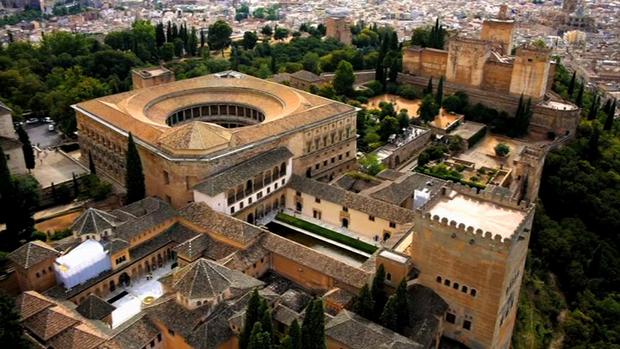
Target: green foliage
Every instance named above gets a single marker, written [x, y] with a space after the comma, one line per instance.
[249, 40]
[402, 306]
[344, 78]
[252, 317]
[408, 92]
[218, 37]
[430, 36]
[313, 327]
[332, 235]
[371, 164]
[26, 147]
[378, 292]
[428, 108]
[456, 103]
[38, 235]
[134, 177]
[501, 149]
[95, 188]
[281, 33]
[439, 93]
[388, 317]
[11, 331]
[364, 305]
[294, 333]
[61, 234]
[20, 197]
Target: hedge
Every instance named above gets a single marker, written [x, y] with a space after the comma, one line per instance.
[332, 235]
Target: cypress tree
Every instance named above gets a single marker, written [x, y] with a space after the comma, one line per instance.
[439, 94]
[571, 85]
[388, 317]
[134, 177]
[378, 292]
[579, 99]
[265, 318]
[160, 36]
[593, 108]
[251, 317]
[593, 142]
[609, 121]
[6, 186]
[429, 87]
[364, 304]
[202, 38]
[294, 333]
[234, 57]
[175, 31]
[169, 37]
[402, 305]
[313, 327]
[274, 67]
[259, 339]
[307, 327]
[26, 148]
[91, 164]
[192, 42]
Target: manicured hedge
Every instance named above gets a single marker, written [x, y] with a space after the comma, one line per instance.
[332, 235]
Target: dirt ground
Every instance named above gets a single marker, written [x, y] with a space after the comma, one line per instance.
[400, 103]
[57, 223]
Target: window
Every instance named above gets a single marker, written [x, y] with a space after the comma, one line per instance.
[451, 318]
[345, 209]
[259, 195]
[38, 275]
[464, 289]
[325, 163]
[166, 177]
[232, 209]
[446, 282]
[388, 277]
[473, 292]
[392, 225]
[455, 286]
[467, 325]
[152, 343]
[241, 205]
[249, 201]
[371, 218]
[159, 337]
[171, 332]
[298, 193]
[438, 279]
[347, 154]
[268, 190]
[316, 167]
[333, 160]
[317, 200]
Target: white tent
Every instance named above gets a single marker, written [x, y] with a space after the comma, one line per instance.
[82, 263]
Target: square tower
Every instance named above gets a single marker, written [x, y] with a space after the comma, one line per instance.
[499, 30]
[530, 73]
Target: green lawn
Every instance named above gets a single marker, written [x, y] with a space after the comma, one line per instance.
[332, 235]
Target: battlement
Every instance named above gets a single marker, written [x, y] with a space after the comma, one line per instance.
[481, 217]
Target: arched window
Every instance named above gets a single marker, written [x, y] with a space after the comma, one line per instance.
[283, 169]
[464, 289]
[388, 277]
[438, 279]
[473, 292]
[455, 286]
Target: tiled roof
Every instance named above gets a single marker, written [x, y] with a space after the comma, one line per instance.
[50, 322]
[339, 296]
[32, 253]
[358, 333]
[306, 76]
[310, 258]
[95, 308]
[425, 308]
[233, 176]
[78, 337]
[137, 335]
[196, 135]
[398, 192]
[30, 303]
[202, 245]
[355, 201]
[207, 279]
[204, 217]
[242, 259]
[148, 213]
[94, 221]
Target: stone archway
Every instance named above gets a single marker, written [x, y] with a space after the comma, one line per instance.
[124, 279]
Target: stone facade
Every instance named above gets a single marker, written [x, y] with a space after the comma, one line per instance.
[339, 28]
[530, 72]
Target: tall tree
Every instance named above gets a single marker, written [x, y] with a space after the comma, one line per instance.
[6, 186]
[592, 151]
[402, 305]
[294, 333]
[267, 32]
[11, 331]
[378, 291]
[273, 66]
[429, 87]
[202, 38]
[428, 108]
[313, 327]
[609, 120]
[579, 99]
[169, 37]
[160, 35]
[192, 42]
[259, 339]
[26, 148]
[593, 112]
[251, 316]
[219, 36]
[134, 176]
[388, 317]
[249, 40]
[307, 327]
[344, 78]
[364, 305]
[91, 164]
[571, 85]
[439, 93]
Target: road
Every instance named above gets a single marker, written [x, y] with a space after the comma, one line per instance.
[41, 137]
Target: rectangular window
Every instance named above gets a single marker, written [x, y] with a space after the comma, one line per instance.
[345, 209]
[152, 343]
[259, 195]
[317, 200]
[171, 332]
[325, 163]
[159, 337]
[451, 318]
[268, 190]
[249, 201]
[347, 154]
[298, 193]
[340, 157]
[467, 325]
[316, 167]
[166, 177]
[371, 218]
[232, 210]
[333, 159]
[392, 225]
[241, 205]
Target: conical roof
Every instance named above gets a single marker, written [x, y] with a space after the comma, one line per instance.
[94, 221]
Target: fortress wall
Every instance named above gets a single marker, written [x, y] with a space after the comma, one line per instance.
[500, 32]
[466, 61]
[497, 77]
[425, 61]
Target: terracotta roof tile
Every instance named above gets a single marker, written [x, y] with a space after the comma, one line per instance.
[32, 253]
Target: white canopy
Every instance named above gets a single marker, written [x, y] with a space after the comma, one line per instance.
[82, 263]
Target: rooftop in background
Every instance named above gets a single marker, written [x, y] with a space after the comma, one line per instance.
[479, 214]
[152, 72]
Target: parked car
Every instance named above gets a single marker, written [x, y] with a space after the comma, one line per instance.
[48, 120]
[32, 121]
[51, 127]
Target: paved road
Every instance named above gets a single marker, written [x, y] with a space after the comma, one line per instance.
[39, 135]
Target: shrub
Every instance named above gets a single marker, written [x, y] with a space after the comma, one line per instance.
[61, 234]
[375, 86]
[38, 235]
[502, 149]
[408, 92]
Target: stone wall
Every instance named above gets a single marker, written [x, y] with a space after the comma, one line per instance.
[466, 61]
[500, 32]
[497, 77]
[425, 61]
[530, 72]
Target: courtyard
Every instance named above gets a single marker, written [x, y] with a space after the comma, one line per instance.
[399, 103]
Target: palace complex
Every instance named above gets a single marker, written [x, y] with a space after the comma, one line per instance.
[249, 187]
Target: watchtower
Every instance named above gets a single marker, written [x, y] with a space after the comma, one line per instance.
[530, 72]
[499, 30]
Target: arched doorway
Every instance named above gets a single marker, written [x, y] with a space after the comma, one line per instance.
[386, 236]
[112, 286]
[298, 206]
[124, 280]
[160, 261]
[309, 172]
[250, 218]
[345, 222]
